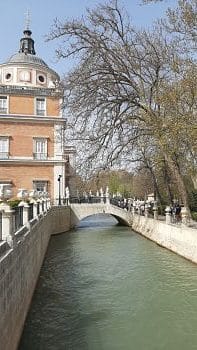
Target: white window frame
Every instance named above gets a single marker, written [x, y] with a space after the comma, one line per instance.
[4, 147]
[41, 111]
[45, 184]
[40, 148]
[4, 109]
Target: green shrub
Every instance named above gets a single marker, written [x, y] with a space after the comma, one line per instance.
[14, 203]
[193, 200]
[194, 215]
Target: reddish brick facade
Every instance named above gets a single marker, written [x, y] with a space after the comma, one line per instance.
[31, 125]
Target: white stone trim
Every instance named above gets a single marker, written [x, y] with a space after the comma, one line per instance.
[8, 105]
[58, 142]
[29, 118]
[28, 160]
[45, 106]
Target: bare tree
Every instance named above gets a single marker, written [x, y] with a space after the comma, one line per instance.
[116, 95]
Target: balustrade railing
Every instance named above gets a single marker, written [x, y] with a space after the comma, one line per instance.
[87, 200]
[17, 218]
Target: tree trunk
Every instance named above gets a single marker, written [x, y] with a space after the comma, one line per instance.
[167, 182]
[175, 172]
[156, 188]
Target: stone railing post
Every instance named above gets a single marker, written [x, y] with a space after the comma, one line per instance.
[102, 195]
[107, 196]
[48, 203]
[7, 224]
[25, 211]
[155, 211]
[185, 217]
[45, 205]
[34, 202]
[146, 210]
[40, 205]
[67, 195]
[168, 215]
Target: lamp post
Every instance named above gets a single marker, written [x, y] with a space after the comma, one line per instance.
[59, 199]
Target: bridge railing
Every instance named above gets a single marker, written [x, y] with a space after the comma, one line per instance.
[139, 207]
[87, 200]
[118, 202]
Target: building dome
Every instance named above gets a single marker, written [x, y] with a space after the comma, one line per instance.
[24, 58]
[24, 68]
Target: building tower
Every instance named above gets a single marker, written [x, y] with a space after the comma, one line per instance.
[32, 150]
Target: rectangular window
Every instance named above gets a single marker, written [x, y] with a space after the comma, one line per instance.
[3, 104]
[4, 147]
[40, 186]
[40, 106]
[40, 148]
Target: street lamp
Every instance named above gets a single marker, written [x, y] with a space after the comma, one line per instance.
[59, 199]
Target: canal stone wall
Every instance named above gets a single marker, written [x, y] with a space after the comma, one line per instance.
[180, 239]
[20, 263]
[20, 268]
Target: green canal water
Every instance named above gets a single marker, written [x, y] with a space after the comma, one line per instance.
[104, 287]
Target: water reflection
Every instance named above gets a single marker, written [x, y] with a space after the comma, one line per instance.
[104, 287]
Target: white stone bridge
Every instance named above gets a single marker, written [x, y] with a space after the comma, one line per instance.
[83, 210]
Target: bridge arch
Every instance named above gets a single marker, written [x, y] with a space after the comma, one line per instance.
[82, 211]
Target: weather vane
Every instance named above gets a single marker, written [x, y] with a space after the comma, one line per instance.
[27, 19]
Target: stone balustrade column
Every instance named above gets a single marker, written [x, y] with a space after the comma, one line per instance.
[45, 205]
[48, 203]
[168, 215]
[155, 211]
[107, 196]
[7, 224]
[25, 211]
[146, 210]
[102, 195]
[40, 205]
[67, 195]
[35, 208]
[185, 217]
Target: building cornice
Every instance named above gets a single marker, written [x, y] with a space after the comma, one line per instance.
[16, 118]
[31, 162]
[31, 91]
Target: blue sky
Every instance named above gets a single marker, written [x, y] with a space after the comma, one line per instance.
[44, 12]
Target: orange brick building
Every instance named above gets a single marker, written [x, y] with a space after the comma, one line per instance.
[32, 150]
